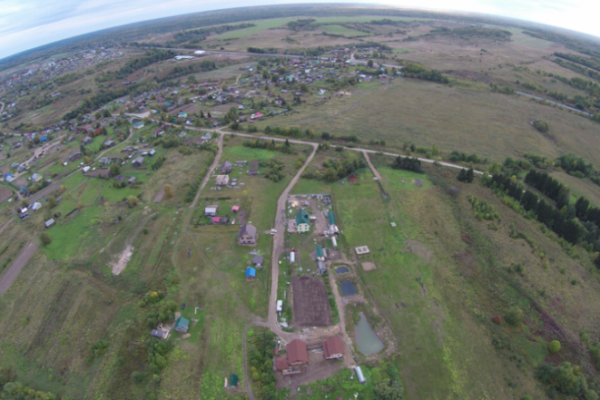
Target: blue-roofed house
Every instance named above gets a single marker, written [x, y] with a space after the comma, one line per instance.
[302, 221]
[138, 125]
[250, 274]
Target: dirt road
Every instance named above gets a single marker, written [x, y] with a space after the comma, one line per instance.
[3, 227]
[375, 172]
[9, 277]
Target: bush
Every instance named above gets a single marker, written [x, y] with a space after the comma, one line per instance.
[145, 231]
[137, 377]
[133, 201]
[554, 346]
[45, 238]
[169, 192]
[541, 125]
[514, 316]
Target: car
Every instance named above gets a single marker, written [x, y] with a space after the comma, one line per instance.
[273, 230]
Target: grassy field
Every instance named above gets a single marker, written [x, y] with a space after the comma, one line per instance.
[472, 118]
[342, 30]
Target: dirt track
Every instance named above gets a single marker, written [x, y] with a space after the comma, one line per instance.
[375, 172]
[9, 277]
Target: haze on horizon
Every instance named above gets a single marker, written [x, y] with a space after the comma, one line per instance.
[26, 24]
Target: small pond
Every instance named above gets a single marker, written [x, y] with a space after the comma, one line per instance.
[348, 288]
[342, 270]
[367, 340]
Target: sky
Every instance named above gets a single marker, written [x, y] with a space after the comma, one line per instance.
[26, 24]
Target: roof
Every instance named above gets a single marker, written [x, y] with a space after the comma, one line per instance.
[235, 208]
[320, 252]
[138, 160]
[331, 218]
[233, 380]
[182, 323]
[352, 177]
[257, 260]
[296, 351]
[250, 272]
[281, 363]
[332, 346]
[247, 230]
[302, 217]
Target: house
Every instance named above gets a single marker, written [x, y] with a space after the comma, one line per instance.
[160, 334]
[320, 253]
[105, 161]
[250, 274]
[333, 348]
[233, 380]
[222, 180]
[138, 162]
[353, 178]
[131, 180]
[297, 356]
[226, 167]
[302, 221]
[87, 140]
[75, 156]
[181, 325]
[36, 206]
[37, 177]
[109, 143]
[49, 223]
[138, 125]
[152, 152]
[296, 353]
[257, 261]
[247, 235]
[210, 211]
[235, 209]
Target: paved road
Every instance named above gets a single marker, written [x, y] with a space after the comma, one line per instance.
[9, 277]
[553, 102]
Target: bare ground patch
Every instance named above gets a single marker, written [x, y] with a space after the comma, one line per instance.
[368, 266]
[9, 277]
[418, 248]
[121, 263]
[311, 305]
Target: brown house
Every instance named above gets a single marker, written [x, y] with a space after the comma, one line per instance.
[247, 235]
[297, 356]
[296, 353]
[333, 348]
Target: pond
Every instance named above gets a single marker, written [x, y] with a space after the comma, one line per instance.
[367, 340]
[342, 270]
[348, 288]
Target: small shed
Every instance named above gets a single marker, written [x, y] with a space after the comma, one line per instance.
[210, 211]
[182, 324]
[331, 218]
[250, 274]
[257, 260]
[138, 162]
[235, 208]
[359, 374]
[353, 178]
[49, 223]
[131, 180]
[233, 380]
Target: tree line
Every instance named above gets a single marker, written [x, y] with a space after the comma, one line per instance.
[407, 163]
[412, 70]
[150, 57]
[560, 221]
[200, 34]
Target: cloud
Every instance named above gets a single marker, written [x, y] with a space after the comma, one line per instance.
[25, 24]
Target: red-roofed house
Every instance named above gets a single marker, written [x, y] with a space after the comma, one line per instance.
[333, 348]
[297, 356]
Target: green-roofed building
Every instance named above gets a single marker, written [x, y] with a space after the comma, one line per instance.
[302, 221]
[233, 380]
[331, 218]
[182, 324]
[320, 253]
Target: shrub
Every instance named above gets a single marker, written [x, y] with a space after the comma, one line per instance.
[169, 192]
[554, 346]
[45, 238]
[137, 377]
[133, 201]
[514, 316]
[541, 125]
[145, 231]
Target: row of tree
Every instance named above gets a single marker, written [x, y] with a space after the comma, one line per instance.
[549, 186]
[407, 163]
[559, 221]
